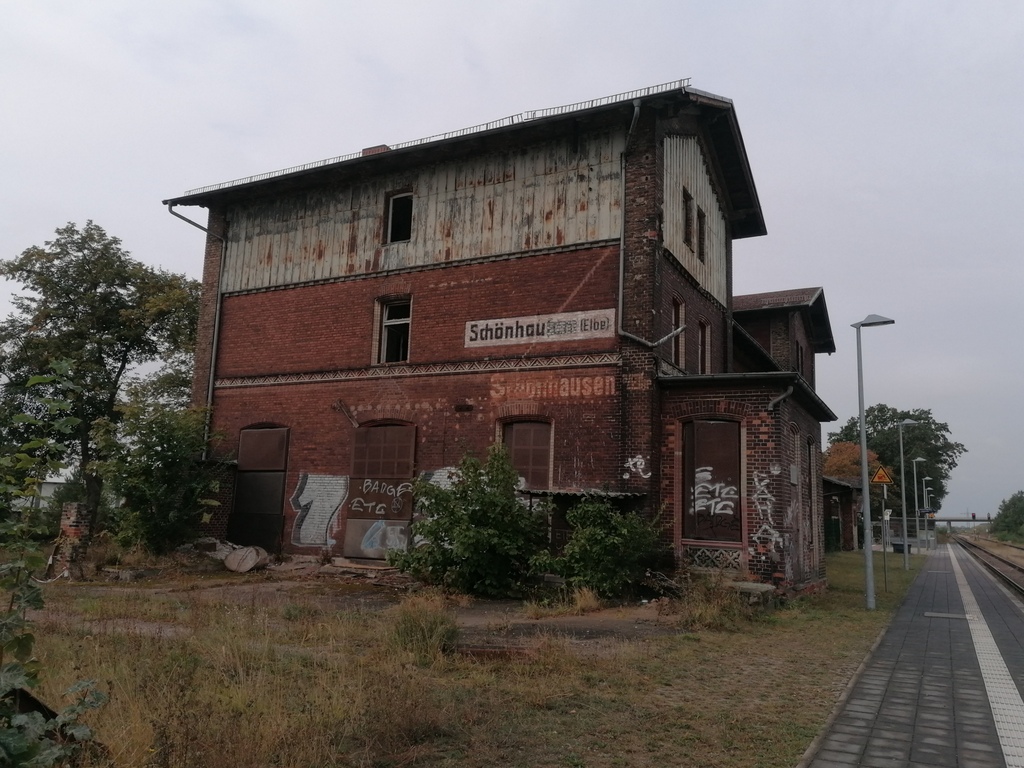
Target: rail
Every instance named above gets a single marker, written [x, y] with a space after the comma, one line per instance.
[1009, 572]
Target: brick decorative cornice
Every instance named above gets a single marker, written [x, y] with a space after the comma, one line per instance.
[709, 408]
[429, 369]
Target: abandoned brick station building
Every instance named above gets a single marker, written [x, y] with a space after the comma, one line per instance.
[368, 319]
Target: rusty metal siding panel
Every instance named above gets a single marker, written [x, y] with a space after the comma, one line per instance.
[507, 202]
[685, 168]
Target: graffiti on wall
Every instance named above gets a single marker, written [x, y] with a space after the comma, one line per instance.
[317, 500]
[637, 464]
[711, 498]
[372, 497]
[713, 507]
[378, 511]
[767, 544]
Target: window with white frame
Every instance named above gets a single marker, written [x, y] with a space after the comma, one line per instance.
[394, 332]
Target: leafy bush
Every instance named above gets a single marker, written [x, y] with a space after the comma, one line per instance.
[609, 551]
[476, 536]
[154, 467]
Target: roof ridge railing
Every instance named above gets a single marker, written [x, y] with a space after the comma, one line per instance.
[522, 117]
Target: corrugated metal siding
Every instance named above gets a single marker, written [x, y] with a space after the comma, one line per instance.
[541, 197]
[684, 168]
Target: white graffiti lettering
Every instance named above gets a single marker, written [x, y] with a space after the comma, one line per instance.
[713, 498]
[385, 488]
[639, 465]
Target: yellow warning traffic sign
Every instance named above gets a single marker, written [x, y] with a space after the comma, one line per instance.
[881, 476]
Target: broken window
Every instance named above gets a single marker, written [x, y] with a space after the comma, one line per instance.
[399, 218]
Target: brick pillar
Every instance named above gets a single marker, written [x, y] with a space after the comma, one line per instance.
[71, 543]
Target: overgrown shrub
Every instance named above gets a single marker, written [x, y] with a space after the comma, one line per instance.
[609, 551]
[706, 602]
[154, 467]
[475, 537]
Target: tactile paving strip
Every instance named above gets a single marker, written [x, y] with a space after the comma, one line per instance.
[1004, 698]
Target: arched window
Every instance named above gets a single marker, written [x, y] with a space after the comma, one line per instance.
[529, 448]
[384, 451]
[711, 481]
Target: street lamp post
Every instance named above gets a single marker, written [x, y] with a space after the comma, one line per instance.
[903, 495]
[869, 573]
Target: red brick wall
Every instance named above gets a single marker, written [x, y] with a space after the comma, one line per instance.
[784, 530]
[331, 326]
[585, 426]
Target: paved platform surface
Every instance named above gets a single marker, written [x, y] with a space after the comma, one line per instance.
[943, 687]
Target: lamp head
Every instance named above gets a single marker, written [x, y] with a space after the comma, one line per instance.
[872, 320]
[920, 458]
[925, 479]
[908, 423]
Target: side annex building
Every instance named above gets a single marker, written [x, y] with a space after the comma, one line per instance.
[559, 281]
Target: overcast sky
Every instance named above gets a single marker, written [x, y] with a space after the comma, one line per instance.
[886, 140]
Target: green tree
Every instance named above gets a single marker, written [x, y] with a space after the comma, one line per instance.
[153, 463]
[28, 739]
[1010, 517]
[475, 537]
[88, 301]
[928, 439]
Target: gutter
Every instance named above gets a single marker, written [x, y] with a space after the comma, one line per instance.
[216, 328]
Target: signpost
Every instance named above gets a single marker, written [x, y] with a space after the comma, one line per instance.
[881, 477]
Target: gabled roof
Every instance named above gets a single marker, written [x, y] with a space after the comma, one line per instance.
[809, 300]
[715, 113]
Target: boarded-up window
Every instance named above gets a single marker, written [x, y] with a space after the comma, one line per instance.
[711, 481]
[529, 449]
[387, 450]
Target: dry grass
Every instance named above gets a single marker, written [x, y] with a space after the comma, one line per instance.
[301, 684]
[575, 602]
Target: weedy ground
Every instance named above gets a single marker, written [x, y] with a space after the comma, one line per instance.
[251, 670]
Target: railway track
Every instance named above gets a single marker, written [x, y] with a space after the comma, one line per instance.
[1009, 570]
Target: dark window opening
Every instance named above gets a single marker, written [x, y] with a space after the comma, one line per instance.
[702, 227]
[396, 317]
[687, 217]
[677, 340]
[529, 450]
[702, 347]
[400, 219]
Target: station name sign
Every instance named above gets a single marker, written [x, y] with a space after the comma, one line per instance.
[565, 326]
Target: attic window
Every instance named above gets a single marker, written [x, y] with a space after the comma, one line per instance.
[687, 217]
[399, 218]
[702, 226]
